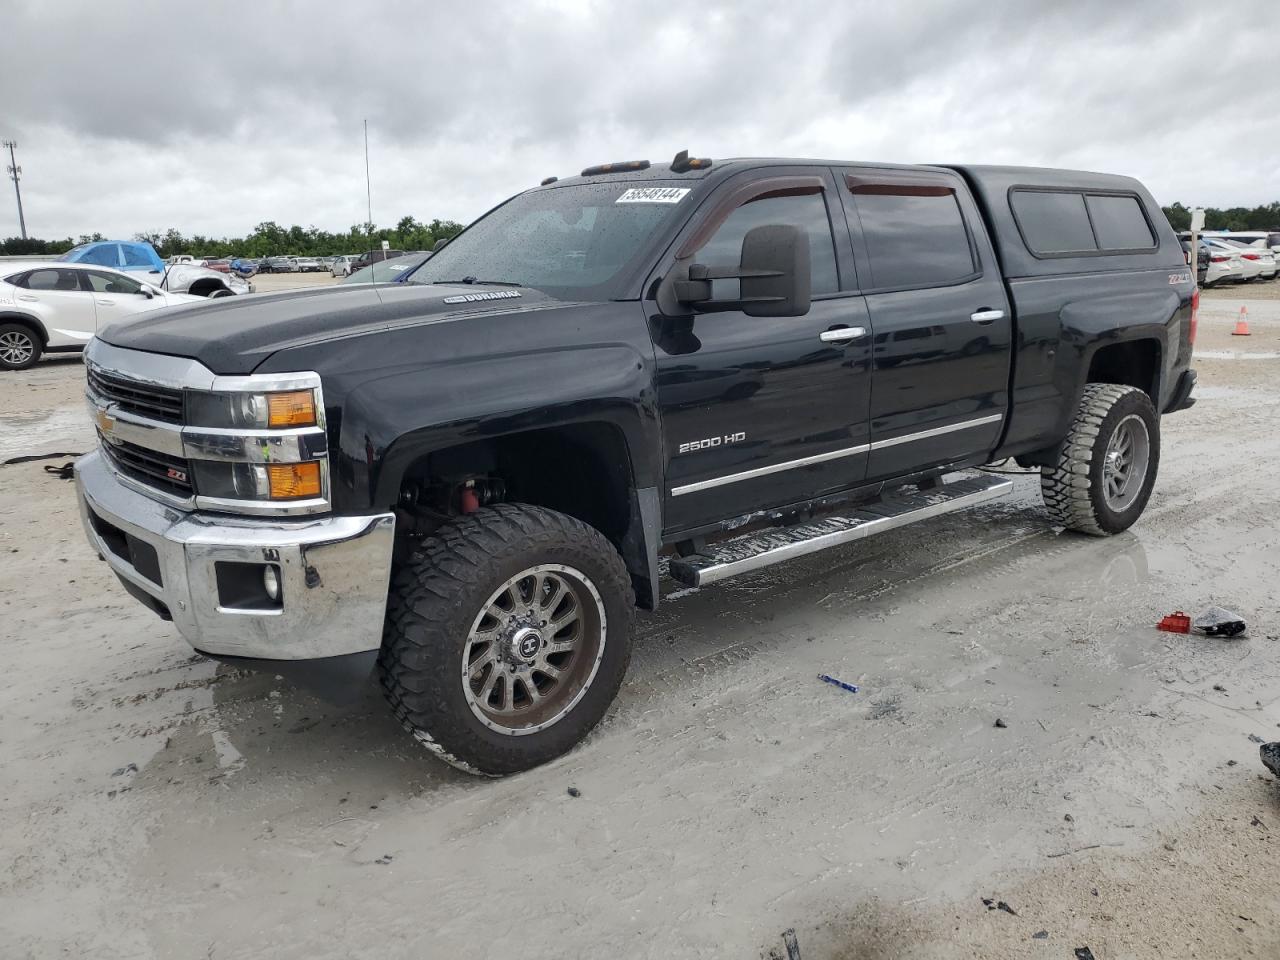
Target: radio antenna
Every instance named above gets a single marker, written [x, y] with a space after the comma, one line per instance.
[368, 188]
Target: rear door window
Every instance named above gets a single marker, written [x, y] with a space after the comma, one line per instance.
[1119, 223]
[1053, 222]
[63, 280]
[916, 236]
[133, 257]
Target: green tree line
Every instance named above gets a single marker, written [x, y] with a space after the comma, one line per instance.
[1262, 217]
[266, 240]
[270, 239]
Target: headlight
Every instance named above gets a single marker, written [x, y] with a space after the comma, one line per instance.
[252, 411]
[259, 481]
[258, 444]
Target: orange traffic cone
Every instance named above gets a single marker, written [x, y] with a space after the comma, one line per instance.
[1242, 324]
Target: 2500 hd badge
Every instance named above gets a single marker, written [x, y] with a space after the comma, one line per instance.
[712, 442]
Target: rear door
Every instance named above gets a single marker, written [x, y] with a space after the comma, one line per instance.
[66, 309]
[940, 316]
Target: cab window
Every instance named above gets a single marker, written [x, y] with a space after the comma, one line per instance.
[806, 211]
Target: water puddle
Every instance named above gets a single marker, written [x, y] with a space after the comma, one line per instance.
[62, 429]
[1236, 355]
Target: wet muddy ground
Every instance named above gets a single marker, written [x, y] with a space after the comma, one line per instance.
[157, 805]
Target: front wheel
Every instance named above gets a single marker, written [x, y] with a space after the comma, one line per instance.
[1108, 464]
[508, 633]
[220, 292]
[19, 347]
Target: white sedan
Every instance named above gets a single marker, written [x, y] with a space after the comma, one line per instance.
[57, 307]
[1261, 256]
[1250, 266]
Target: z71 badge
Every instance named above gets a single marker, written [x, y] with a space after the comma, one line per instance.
[694, 446]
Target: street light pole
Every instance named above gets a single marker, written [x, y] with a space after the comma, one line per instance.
[15, 172]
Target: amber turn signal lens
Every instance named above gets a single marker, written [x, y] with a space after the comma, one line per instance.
[292, 481]
[294, 409]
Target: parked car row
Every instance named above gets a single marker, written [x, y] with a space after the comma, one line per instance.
[338, 266]
[393, 269]
[293, 264]
[1235, 257]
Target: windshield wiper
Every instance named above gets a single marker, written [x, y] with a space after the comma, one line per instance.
[483, 283]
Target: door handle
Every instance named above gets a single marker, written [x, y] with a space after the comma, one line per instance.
[107, 303]
[842, 334]
[987, 316]
[27, 297]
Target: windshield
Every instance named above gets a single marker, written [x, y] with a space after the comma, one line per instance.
[572, 243]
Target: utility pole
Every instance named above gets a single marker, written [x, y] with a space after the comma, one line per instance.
[15, 172]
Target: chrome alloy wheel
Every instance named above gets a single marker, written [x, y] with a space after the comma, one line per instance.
[534, 649]
[1124, 468]
[16, 347]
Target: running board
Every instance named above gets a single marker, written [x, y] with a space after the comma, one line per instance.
[728, 558]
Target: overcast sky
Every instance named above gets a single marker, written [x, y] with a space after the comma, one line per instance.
[211, 117]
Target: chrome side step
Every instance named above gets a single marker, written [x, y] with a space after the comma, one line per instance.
[729, 558]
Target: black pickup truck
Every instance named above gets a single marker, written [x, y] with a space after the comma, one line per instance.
[472, 479]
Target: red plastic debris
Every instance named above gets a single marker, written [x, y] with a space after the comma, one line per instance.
[471, 502]
[1176, 622]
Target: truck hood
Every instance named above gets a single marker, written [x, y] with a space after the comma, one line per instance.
[233, 335]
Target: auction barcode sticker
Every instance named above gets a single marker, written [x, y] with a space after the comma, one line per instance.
[653, 195]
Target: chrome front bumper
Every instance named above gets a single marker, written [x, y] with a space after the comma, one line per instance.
[334, 571]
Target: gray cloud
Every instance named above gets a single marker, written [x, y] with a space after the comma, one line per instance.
[210, 118]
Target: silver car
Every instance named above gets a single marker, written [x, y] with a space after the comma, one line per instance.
[341, 266]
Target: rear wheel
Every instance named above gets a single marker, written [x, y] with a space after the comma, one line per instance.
[507, 637]
[1108, 464]
[19, 347]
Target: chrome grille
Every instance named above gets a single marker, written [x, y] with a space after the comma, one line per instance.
[134, 396]
[170, 474]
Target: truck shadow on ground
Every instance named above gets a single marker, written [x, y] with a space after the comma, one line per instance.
[259, 726]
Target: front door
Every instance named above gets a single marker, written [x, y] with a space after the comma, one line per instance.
[940, 377]
[759, 412]
[115, 296]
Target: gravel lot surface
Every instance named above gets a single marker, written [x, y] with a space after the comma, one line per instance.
[158, 805]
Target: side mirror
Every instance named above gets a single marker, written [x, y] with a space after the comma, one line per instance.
[439, 244]
[773, 273]
[146, 291]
